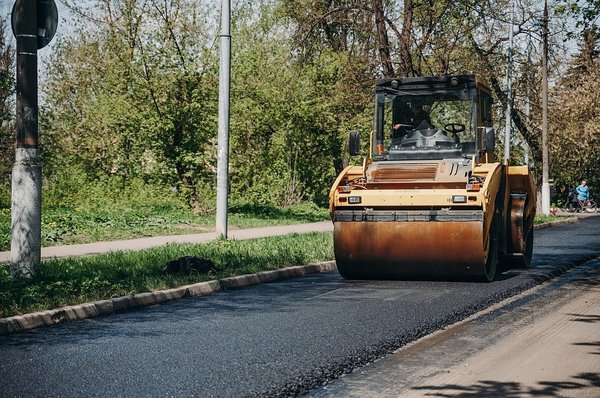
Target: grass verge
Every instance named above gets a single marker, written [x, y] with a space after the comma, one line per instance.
[65, 225]
[543, 219]
[72, 281]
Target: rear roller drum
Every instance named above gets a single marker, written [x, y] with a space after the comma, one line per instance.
[520, 247]
[523, 260]
[491, 262]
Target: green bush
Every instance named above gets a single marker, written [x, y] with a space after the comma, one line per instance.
[75, 190]
[62, 189]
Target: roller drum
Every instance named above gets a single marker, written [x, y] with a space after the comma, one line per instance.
[411, 249]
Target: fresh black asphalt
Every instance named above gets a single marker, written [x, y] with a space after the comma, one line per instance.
[276, 339]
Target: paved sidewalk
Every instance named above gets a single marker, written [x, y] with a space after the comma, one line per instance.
[146, 243]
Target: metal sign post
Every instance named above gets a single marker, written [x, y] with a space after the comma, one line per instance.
[34, 24]
[223, 139]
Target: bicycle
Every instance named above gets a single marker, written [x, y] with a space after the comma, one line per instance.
[589, 206]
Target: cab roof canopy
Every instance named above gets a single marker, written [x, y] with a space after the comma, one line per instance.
[432, 83]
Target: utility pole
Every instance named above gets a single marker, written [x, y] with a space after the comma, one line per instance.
[509, 97]
[545, 176]
[223, 139]
[528, 117]
[25, 249]
[34, 24]
[527, 107]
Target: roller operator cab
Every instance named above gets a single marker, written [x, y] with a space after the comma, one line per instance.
[430, 200]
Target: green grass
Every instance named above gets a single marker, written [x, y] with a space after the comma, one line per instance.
[71, 225]
[542, 219]
[71, 281]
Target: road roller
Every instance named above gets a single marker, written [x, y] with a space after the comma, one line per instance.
[430, 200]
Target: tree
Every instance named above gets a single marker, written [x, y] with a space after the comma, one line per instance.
[575, 119]
[134, 92]
[290, 117]
[416, 38]
[131, 94]
[586, 14]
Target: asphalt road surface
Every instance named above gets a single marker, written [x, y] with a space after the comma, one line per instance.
[277, 339]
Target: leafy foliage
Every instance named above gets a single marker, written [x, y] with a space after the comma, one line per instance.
[575, 138]
[585, 12]
[131, 99]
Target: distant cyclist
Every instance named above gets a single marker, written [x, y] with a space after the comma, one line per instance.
[583, 192]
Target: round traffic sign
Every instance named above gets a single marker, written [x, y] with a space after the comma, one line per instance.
[47, 20]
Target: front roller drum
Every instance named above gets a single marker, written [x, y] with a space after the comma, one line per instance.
[415, 249]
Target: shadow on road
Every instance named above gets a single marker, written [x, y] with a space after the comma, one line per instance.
[490, 388]
[591, 344]
[586, 318]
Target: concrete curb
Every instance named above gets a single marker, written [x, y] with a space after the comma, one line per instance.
[21, 323]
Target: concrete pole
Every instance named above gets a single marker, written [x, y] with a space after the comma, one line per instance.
[223, 139]
[527, 108]
[509, 97]
[27, 173]
[528, 117]
[545, 173]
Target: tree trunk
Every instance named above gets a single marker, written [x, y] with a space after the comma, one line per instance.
[406, 66]
[384, 43]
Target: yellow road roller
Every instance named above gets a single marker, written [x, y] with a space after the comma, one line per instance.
[430, 200]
